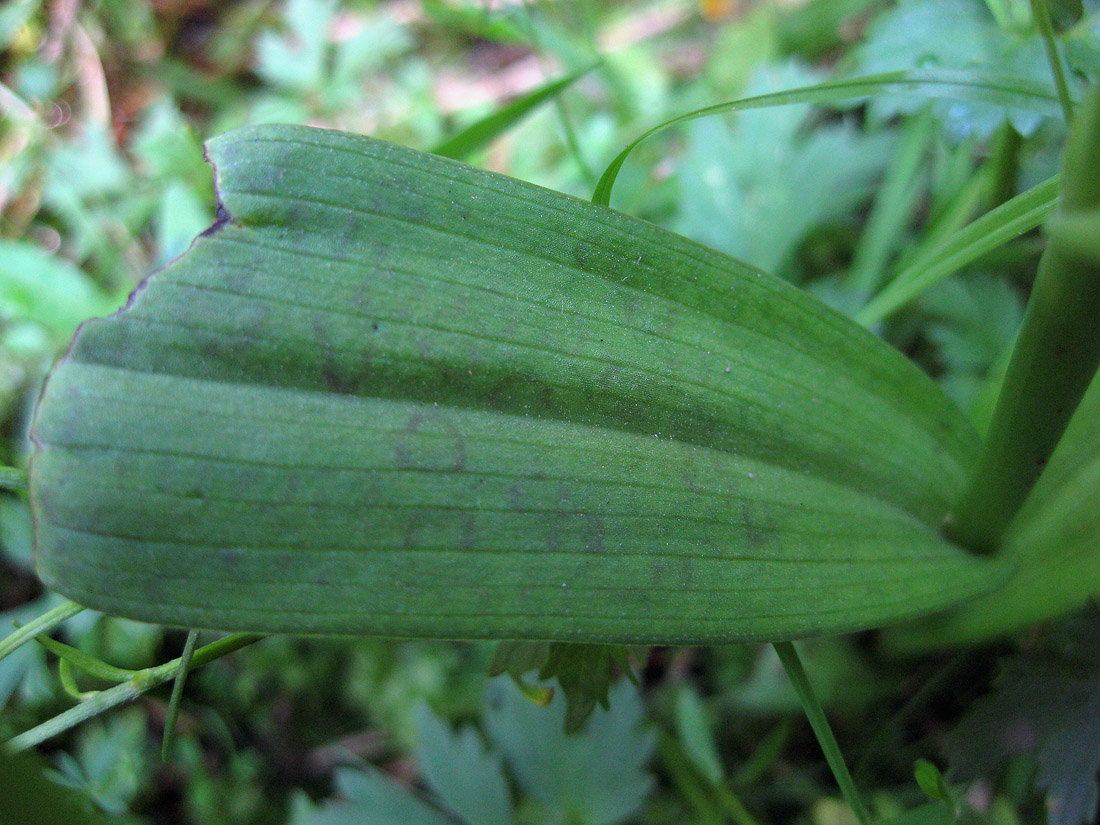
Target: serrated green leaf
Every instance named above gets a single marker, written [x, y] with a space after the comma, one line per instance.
[811, 179]
[27, 797]
[518, 658]
[468, 778]
[953, 35]
[585, 673]
[371, 796]
[392, 394]
[594, 777]
[1046, 702]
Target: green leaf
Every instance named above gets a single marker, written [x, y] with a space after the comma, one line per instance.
[1046, 702]
[811, 179]
[480, 134]
[468, 778]
[953, 35]
[27, 797]
[370, 796]
[595, 777]
[694, 730]
[931, 781]
[109, 763]
[584, 672]
[392, 394]
[46, 289]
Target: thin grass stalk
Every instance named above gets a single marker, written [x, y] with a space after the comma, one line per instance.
[1042, 16]
[43, 624]
[820, 724]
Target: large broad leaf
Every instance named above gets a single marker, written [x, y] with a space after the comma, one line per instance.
[389, 393]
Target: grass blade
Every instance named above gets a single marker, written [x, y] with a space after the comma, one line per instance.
[1041, 12]
[949, 84]
[177, 696]
[893, 207]
[1009, 220]
[478, 135]
[788, 655]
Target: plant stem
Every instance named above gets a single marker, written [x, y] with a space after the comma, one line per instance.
[1042, 16]
[12, 478]
[142, 682]
[1055, 358]
[816, 715]
[43, 624]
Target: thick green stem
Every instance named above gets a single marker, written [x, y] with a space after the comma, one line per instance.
[820, 724]
[1055, 358]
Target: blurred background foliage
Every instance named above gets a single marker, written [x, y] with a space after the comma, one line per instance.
[103, 109]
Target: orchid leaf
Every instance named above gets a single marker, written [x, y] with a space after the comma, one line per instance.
[388, 393]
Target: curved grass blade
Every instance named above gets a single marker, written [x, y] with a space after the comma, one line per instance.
[992, 230]
[392, 394]
[85, 661]
[478, 135]
[948, 84]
